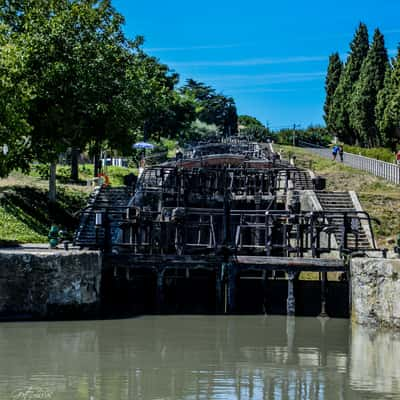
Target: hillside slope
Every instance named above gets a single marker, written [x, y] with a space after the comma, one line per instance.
[378, 197]
[26, 214]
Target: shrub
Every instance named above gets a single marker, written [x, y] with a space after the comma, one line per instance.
[41, 170]
[379, 153]
[63, 174]
[116, 174]
[313, 135]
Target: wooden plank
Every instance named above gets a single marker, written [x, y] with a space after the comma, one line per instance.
[131, 260]
[298, 263]
[241, 262]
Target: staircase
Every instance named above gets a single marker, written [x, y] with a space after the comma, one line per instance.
[342, 202]
[110, 200]
[302, 180]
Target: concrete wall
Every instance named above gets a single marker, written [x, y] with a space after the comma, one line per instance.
[363, 221]
[309, 201]
[45, 283]
[375, 286]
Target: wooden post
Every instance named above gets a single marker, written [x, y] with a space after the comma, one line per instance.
[324, 278]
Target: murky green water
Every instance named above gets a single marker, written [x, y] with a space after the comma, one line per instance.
[198, 357]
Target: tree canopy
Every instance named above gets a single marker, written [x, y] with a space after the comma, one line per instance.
[365, 106]
[212, 107]
[248, 120]
[364, 98]
[71, 79]
[251, 127]
[339, 111]
[334, 73]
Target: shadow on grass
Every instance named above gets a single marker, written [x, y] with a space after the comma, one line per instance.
[30, 205]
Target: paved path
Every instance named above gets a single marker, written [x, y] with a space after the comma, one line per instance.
[39, 248]
[381, 169]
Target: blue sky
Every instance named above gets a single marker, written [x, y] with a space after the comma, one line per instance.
[270, 56]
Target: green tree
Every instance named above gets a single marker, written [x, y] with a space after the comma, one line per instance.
[388, 106]
[339, 114]
[364, 97]
[211, 107]
[312, 134]
[248, 120]
[43, 31]
[252, 127]
[15, 97]
[227, 116]
[70, 79]
[199, 130]
[334, 73]
[77, 59]
[382, 101]
[163, 111]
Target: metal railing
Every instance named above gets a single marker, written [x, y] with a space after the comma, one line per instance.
[381, 169]
[195, 231]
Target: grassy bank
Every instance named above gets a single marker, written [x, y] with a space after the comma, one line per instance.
[26, 214]
[378, 197]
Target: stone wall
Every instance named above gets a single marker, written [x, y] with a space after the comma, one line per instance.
[375, 285]
[49, 283]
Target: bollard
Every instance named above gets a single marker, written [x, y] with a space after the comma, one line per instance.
[53, 236]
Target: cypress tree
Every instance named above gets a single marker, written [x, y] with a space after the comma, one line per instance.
[382, 101]
[335, 68]
[389, 102]
[364, 97]
[338, 115]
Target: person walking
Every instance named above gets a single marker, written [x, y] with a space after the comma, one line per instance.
[341, 151]
[334, 152]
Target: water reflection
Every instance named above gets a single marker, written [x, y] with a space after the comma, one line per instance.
[198, 357]
[378, 354]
